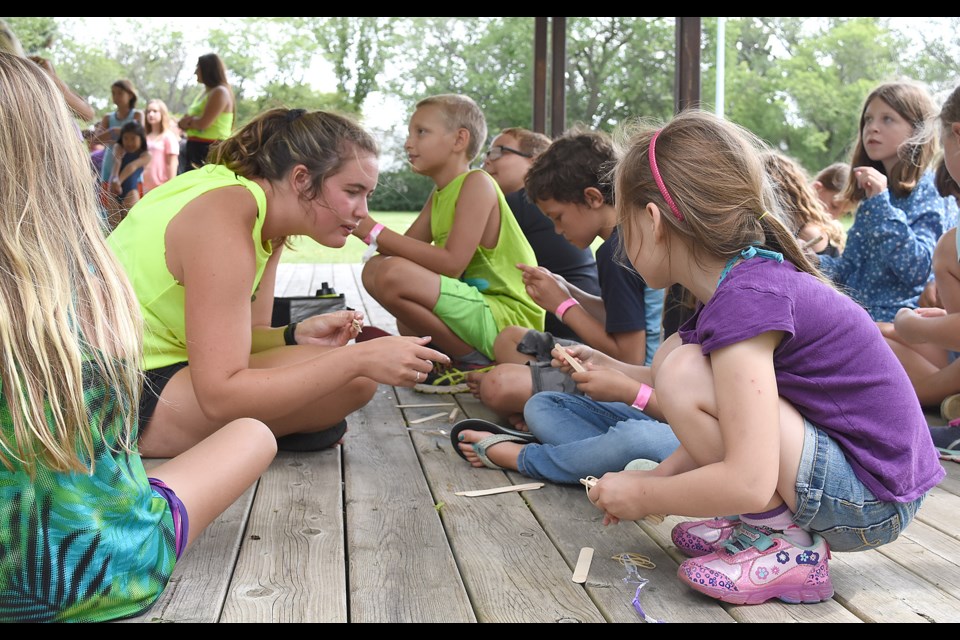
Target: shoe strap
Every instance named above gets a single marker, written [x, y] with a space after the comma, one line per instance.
[745, 536]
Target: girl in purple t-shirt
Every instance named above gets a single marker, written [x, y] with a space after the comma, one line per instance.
[790, 408]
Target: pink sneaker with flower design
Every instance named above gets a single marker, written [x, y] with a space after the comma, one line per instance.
[700, 537]
[756, 566]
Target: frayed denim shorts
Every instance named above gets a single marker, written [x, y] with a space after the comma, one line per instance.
[833, 502]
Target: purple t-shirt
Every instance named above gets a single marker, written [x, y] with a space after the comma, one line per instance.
[833, 365]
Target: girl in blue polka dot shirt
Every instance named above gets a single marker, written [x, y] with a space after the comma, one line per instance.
[901, 215]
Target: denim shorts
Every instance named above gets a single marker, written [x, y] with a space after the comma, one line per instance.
[833, 502]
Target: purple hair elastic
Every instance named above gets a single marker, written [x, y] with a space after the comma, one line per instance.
[656, 176]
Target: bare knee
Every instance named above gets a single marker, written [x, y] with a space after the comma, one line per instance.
[254, 438]
[506, 388]
[391, 278]
[684, 381]
[361, 390]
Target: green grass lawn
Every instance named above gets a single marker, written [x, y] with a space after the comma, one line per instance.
[307, 251]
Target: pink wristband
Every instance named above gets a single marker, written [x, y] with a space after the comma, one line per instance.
[563, 306]
[643, 396]
[377, 228]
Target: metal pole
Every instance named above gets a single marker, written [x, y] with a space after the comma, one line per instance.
[721, 64]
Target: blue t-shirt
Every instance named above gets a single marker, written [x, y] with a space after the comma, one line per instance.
[629, 303]
[833, 365]
[888, 257]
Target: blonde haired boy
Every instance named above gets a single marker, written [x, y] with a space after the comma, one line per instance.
[452, 276]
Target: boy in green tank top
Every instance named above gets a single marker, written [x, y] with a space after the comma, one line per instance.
[452, 276]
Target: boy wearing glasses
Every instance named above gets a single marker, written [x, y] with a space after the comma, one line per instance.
[568, 182]
[507, 160]
[452, 276]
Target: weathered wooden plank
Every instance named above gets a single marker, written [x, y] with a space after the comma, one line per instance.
[930, 554]
[300, 281]
[510, 567]
[202, 576]
[940, 510]
[572, 522]
[401, 566]
[877, 589]
[291, 566]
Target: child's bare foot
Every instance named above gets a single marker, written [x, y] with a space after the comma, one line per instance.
[473, 382]
[504, 454]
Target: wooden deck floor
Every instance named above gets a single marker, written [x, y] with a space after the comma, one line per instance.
[372, 532]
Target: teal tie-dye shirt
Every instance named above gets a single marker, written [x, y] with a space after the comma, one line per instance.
[79, 547]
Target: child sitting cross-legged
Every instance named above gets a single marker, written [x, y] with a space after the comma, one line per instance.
[452, 275]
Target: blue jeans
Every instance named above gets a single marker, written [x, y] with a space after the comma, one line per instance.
[582, 437]
[832, 501]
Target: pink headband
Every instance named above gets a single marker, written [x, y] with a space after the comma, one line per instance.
[659, 180]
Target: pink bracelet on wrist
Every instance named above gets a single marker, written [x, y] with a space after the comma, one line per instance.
[563, 307]
[643, 396]
[377, 228]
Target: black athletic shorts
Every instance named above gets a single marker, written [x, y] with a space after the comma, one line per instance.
[154, 382]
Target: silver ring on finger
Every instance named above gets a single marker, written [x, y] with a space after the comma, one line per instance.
[418, 376]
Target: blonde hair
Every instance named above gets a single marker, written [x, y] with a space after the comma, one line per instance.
[712, 171]
[800, 202]
[461, 112]
[915, 105]
[9, 42]
[528, 141]
[69, 320]
[165, 122]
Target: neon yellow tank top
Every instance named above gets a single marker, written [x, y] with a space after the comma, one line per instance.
[138, 242]
[219, 129]
[492, 271]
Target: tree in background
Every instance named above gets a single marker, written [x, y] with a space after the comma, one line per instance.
[796, 82]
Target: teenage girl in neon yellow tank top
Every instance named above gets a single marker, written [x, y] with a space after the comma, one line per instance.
[210, 117]
[202, 251]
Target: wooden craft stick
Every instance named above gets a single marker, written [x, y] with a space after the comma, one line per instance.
[453, 414]
[583, 565]
[811, 242]
[357, 325]
[425, 418]
[426, 404]
[569, 358]
[511, 487]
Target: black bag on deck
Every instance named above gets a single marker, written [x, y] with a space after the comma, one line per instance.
[297, 308]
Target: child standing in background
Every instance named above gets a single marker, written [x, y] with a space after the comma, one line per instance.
[85, 534]
[453, 274]
[794, 414]
[163, 144]
[888, 258]
[130, 158]
[108, 131]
